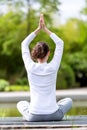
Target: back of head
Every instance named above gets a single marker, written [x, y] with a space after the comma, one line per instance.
[40, 51]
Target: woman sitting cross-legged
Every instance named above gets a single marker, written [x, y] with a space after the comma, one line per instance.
[42, 79]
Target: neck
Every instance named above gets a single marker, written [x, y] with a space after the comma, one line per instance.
[41, 61]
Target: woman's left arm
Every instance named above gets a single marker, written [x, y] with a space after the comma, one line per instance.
[25, 44]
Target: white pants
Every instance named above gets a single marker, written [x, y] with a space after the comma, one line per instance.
[64, 106]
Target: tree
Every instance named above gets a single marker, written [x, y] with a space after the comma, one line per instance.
[75, 38]
[48, 7]
[11, 35]
[14, 26]
[84, 10]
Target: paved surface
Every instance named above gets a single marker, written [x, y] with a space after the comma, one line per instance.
[75, 94]
[67, 122]
[80, 128]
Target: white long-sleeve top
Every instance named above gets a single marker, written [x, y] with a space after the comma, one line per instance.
[42, 77]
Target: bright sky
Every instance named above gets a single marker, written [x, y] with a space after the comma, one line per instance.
[70, 8]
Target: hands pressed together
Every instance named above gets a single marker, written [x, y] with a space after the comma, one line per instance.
[42, 26]
[41, 22]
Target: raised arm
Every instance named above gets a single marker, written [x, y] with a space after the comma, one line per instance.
[58, 50]
[25, 44]
[25, 49]
[59, 46]
[58, 42]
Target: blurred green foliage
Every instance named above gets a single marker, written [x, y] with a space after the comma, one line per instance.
[16, 88]
[66, 77]
[3, 84]
[16, 24]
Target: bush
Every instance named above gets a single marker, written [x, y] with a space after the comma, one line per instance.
[22, 81]
[66, 77]
[78, 62]
[3, 84]
[17, 88]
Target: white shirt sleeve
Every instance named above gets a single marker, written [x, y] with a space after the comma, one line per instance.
[25, 49]
[57, 54]
[58, 51]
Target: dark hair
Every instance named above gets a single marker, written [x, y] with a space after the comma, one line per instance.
[39, 51]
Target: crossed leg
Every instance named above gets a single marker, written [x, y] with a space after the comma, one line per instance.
[64, 106]
[23, 108]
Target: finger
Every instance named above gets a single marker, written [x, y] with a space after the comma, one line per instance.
[42, 18]
[41, 21]
[41, 15]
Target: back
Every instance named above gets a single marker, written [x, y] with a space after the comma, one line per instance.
[42, 80]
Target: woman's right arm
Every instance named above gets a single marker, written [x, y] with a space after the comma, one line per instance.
[59, 46]
[58, 49]
[47, 30]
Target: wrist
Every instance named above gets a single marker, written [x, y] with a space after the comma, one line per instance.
[37, 30]
[47, 30]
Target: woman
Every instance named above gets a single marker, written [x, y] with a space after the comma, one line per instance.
[42, 79]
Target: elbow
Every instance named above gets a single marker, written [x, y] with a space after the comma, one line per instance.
[23, 47]
[62, 45]
[22, 43]
[62, 42]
